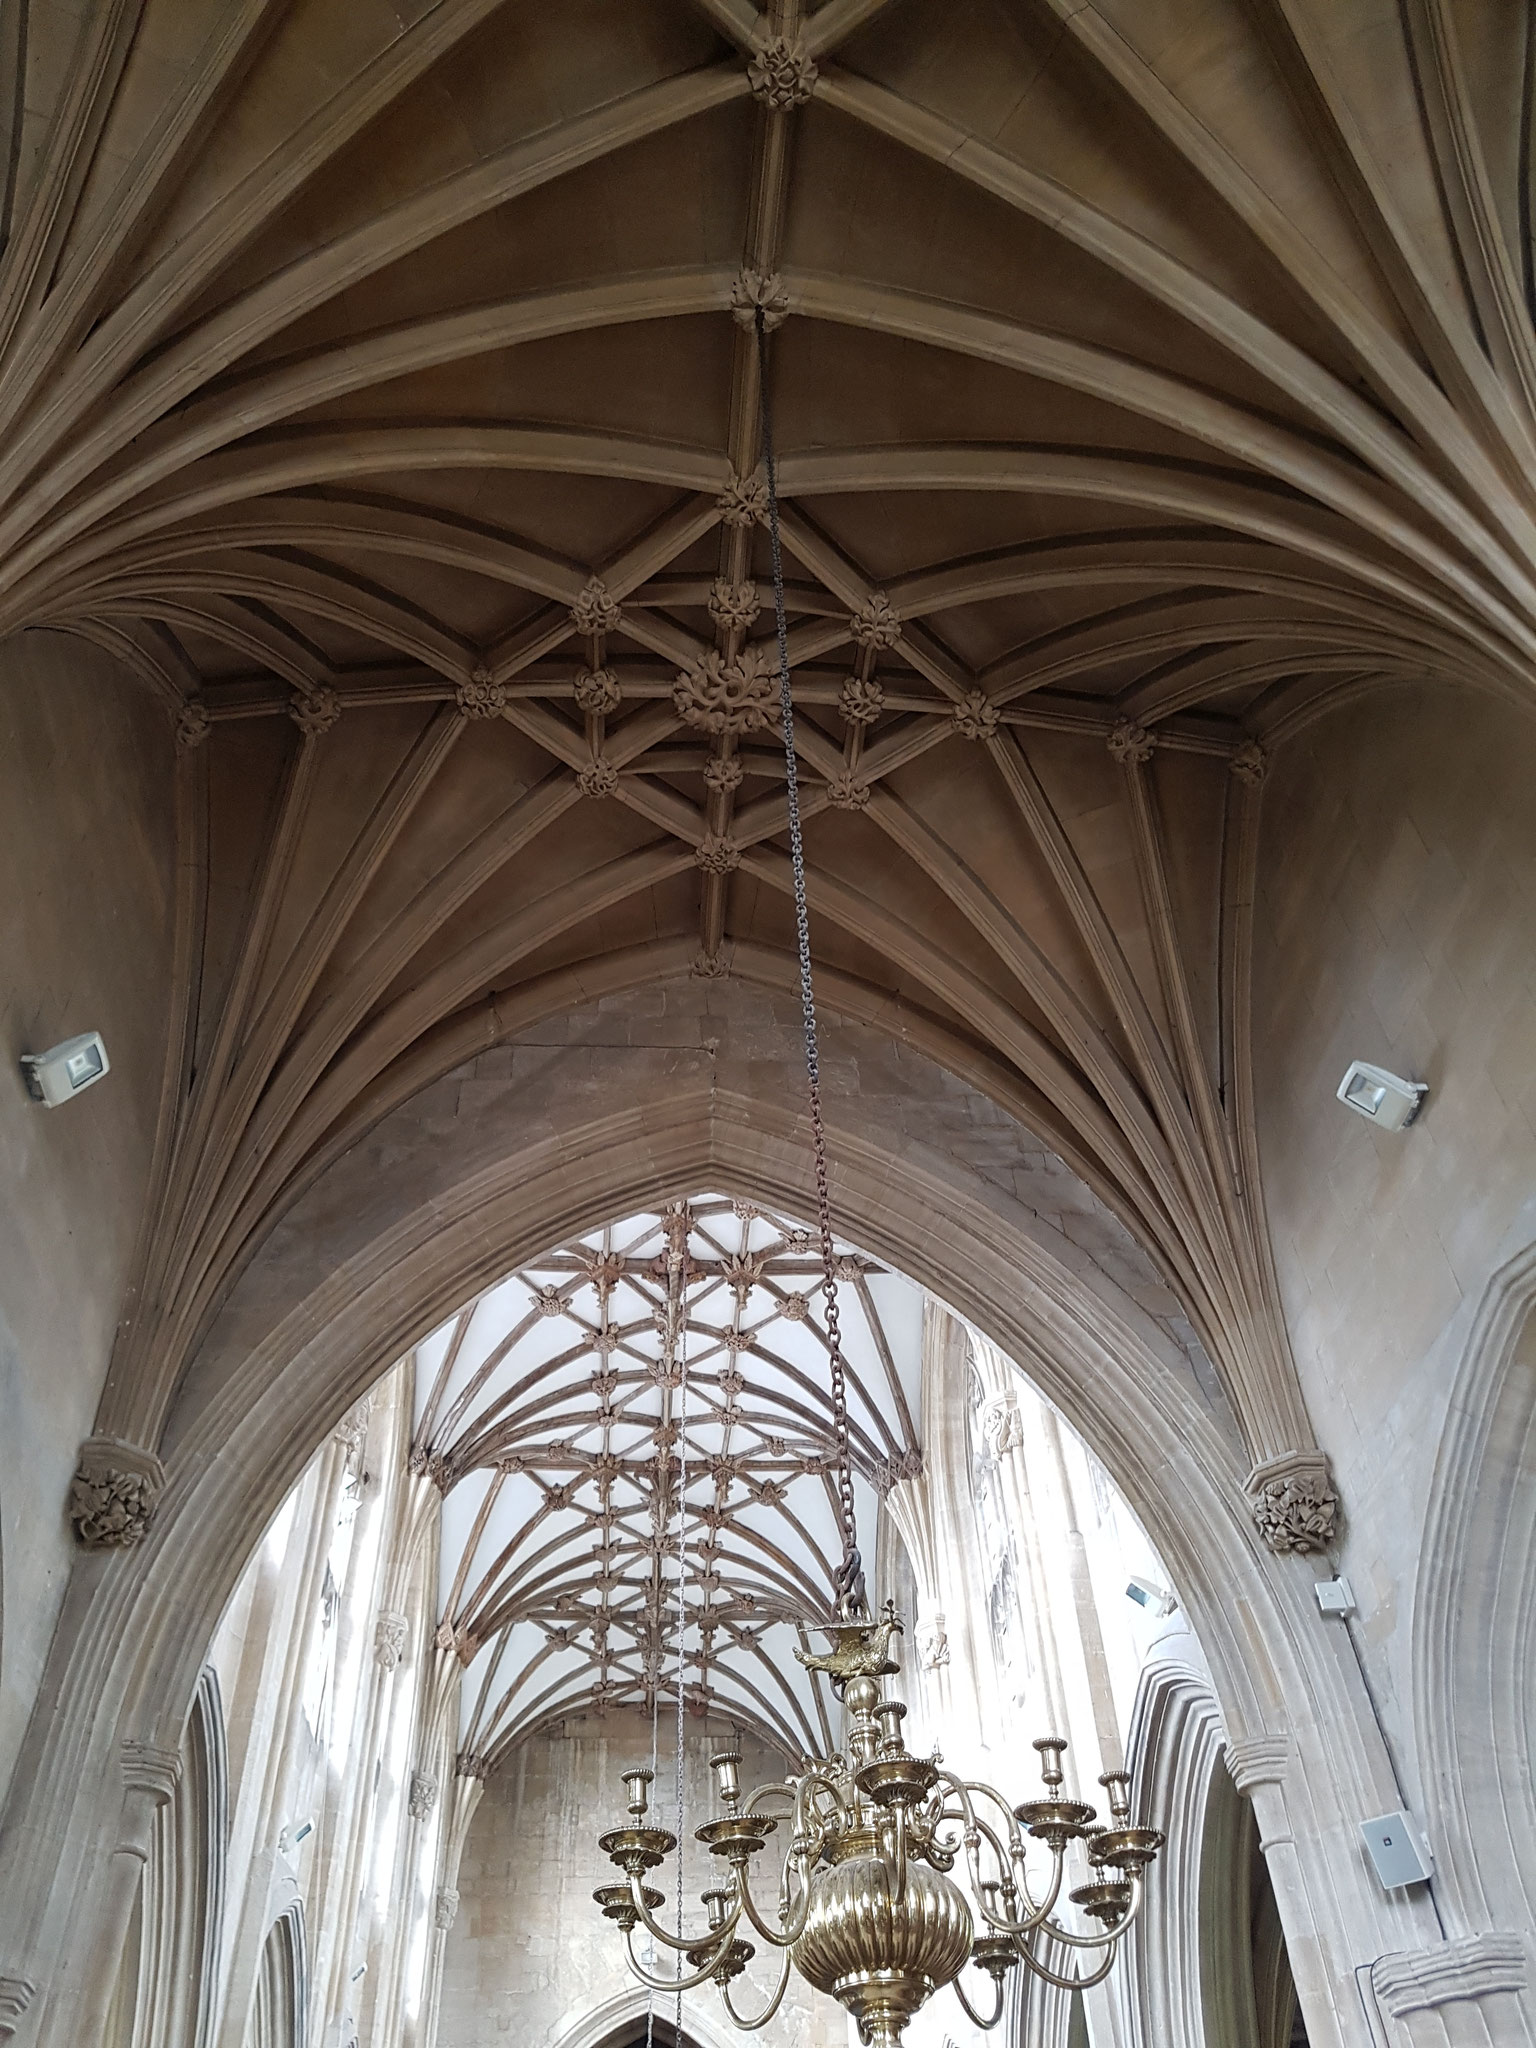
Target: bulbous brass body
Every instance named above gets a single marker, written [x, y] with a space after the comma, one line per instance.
[878, 1955]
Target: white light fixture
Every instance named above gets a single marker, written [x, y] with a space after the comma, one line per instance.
[1156, 1599]
[1382, 1098]
[1335, 1596]
[64, 1069]
[1397, 1851]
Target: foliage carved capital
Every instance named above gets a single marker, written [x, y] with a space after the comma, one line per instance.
[113, 1493]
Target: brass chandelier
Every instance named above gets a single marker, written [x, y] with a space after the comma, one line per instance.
[867, 1909]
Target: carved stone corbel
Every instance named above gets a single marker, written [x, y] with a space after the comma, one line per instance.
[1294, 1503]
[1258, 1760]
[390, 1634]
[113, 1493]
[16, 1994]
[153, 1772]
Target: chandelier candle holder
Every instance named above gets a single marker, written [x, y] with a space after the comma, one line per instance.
[867, 1910]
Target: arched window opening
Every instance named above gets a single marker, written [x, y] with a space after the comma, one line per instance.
[278, 2008]
[1249, 1995]
[570, 1497]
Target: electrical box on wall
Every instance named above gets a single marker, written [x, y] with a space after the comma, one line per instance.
[1397, 1851]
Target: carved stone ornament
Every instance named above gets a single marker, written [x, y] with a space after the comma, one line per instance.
[470, 1764]
[743, 502]
[423, 1795]
[723, 773]
[751, 290]
[931, 1639]
[480, 696]
[1130, 744]
[1002, 1424]
[549, 1301]
[976, 716]
[794, 1308]
[596, 610]
[113, 1493]
[1249, 764]
[782, 75]
[597, 690]
[446, 1910]
[734, 606]
[352, 1430]
[717, 854]
[16, 1994]
[314, 711]
[598, 778]
[1451, 1973]
[391, 1632]
[709, 966]
[193, 725]
[875, 623]
[861, 700]
[717, 695]
[1255, 1760]
[1294, 1504]
[847, 792]
[150, 1771]
[891, 1471]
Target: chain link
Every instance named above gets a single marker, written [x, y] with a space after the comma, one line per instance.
[844, 1476]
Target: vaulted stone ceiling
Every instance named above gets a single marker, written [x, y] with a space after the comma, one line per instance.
[654, 1394]
[379, 383]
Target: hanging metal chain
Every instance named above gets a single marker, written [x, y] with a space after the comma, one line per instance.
[850, 1578]
[678, 1289]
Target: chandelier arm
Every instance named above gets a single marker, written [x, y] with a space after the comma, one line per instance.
[684, 1943]
[805, 1811]
[962, 1791]
[972, 1831]
[1087, 1983]
[1059, 1933]
[782, 1938]
[668, 1984]
[1037, 1911]
[1015, 1838]
[971, 2013]
[749, 2026]
[1007, 1858]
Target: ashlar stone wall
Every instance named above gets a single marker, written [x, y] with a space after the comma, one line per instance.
[87, 868]
[530, 1959]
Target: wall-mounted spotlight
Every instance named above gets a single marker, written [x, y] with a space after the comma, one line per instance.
[1156, 1599]
[64, 1069]
[1382, 1098]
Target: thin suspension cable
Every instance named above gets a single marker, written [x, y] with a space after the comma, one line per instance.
[848, 1577]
